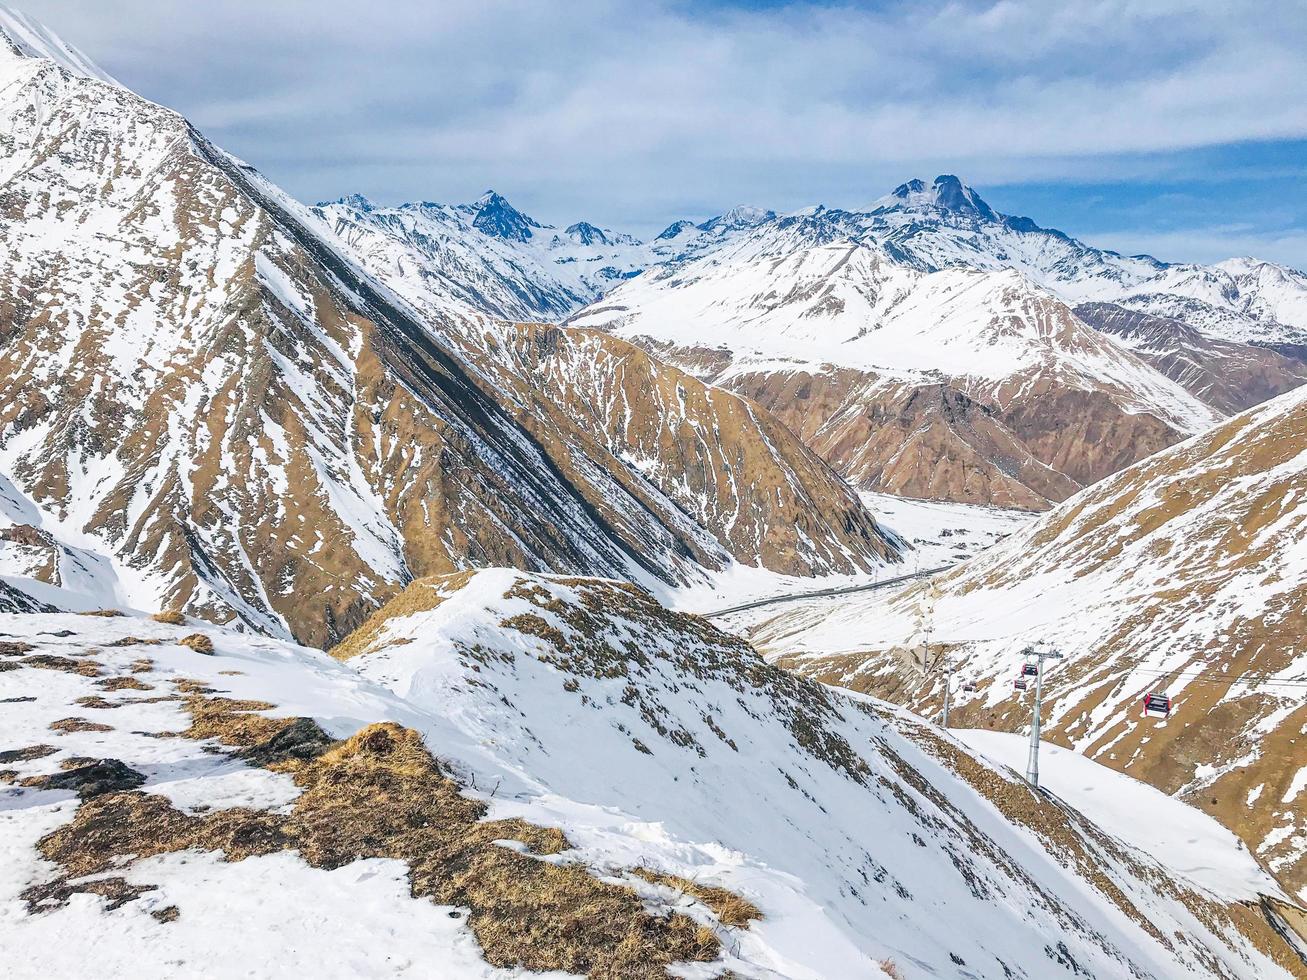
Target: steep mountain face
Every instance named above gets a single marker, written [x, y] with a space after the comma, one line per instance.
[915, 440]
[1185, 574]
[198, 374]
[512, 773]
[1228, 376]
[1060, 404]
[677, 445]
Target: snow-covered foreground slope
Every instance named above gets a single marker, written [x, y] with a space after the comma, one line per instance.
[591, 691]
[1185, 840]
[615, 788]
[1186, 574]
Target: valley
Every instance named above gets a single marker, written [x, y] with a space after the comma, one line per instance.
[426, 589]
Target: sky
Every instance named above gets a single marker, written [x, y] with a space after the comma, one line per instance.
[1165, 126]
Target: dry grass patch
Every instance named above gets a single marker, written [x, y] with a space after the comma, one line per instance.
[172, 617]
[14, 648]
[123, 684]
[382, 794]
[731, 909]
[421, 595]
[49, 661]
[27, 753]
[132, 641]
[142, 665]
[78, 725]
[106, 613]
[98, 701]
[199, 642]
[890, 969]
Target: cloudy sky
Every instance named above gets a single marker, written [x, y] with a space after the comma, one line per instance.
[1167, 126]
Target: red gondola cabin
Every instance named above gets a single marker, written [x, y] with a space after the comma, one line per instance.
[1157, 706]
[1030, 670]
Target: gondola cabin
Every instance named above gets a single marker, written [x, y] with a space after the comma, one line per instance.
[1019, 684]
[1029, 670]
[969, 686]
[1157, 706]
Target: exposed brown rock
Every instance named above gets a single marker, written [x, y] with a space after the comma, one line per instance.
[1228, 376]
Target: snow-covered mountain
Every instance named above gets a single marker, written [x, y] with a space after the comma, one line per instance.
[836, 320]
[495, 260]
[872, 310]
[947, 224]
[507, 772]
[201, 381]
[1066, 404]
[1185, 574]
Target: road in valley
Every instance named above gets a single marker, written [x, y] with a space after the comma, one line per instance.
[842, 590]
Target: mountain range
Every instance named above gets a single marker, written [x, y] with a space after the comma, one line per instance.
[476, 458]
[203, 383]
[925, 345]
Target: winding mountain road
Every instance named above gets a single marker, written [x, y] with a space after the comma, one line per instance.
[817, 594]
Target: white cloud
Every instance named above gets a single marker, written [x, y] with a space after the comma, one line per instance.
[634, 112]
[1210, 243]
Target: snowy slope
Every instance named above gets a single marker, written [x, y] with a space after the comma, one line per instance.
[588, 690]
[869, 820]
[38, 561]
[27, 38]
[1181, 837]
[1186, 573]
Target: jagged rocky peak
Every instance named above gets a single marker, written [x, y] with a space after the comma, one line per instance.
[587, 234]
[675, 229]
[498, 218]
[22, 37]
[741, 216]
[946, 193]
[356, 201]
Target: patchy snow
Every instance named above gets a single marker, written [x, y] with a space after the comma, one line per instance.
[1183, 839]
[941, 533]
[1183, 573]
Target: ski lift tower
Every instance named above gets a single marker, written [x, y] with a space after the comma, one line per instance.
[1039, 655]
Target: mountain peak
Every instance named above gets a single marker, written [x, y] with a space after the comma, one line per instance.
[945, 193]
[356, 201]
[740, 216]
[499, 219]
[23, 37]
[587, 234]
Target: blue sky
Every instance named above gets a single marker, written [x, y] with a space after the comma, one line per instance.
[1170, 126]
